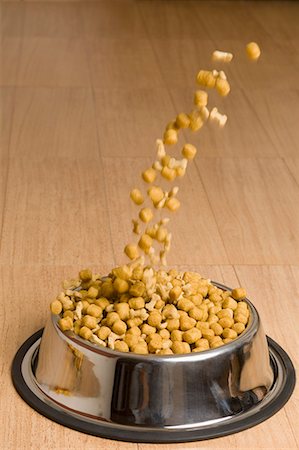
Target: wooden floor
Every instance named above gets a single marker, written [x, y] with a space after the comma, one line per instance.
[86, 88]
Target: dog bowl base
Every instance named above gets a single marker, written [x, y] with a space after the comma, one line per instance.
[25, 383]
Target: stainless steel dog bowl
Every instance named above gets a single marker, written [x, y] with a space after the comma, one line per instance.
[149, 398]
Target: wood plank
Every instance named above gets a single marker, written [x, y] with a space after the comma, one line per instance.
[12, 19]
[115, 63]
[21, 426]
[7, 104]
[278, 112]
[129, 121]
[9, 56]
[56, 213]
[196, 237]
[6, 114]
[54, 121]
[53, 62]
[52, 19]
[279, 20]
[172, 19]
[293, 166]
[236, 139]
[273, 292]
[253, 202]
[117, 19]
[227, 20]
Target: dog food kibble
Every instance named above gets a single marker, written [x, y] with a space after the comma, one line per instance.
[136, 196]
[182, 121]
[170, 137]
[149, 175]
[201, 98]
[253, 51]
[189, 151]
[142, 310]
[131, 251]
[222, 56]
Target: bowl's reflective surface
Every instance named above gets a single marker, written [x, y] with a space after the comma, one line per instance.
[156, 391]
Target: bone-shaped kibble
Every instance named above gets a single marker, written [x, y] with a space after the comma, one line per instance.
[215, 115]
[219, 55]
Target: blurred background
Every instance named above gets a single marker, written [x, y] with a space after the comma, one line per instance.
[86, 88]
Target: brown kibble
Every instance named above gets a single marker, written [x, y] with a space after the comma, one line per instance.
[168, 174]
[65, 324]
[137, 196]
[186, 323]
[56, 307]
[103, 332]
[170, 137]
[85, 275]
[192, 335]
[182, 121]
[131, 251]
[119, 327]
[239, 293]
[94, 311]
[120, 286]
[146, 215]
[85, 333]
[189, 151]
[174, 293]
[149, 175]
[172, 204]
[121, 346]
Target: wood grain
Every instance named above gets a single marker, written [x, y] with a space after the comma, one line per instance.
[119, 62]
[53, 62]
[123, 114]
[105, 19]
[48, 205]
[293, 166]
[10, 48]
[86, 88]
[253, 202]
[54, 121]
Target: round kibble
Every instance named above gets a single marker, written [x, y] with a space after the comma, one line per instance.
[131, 251]
[119, 327]
[89, 322]
[170, 137]
[149, 175]
[238, 327]
[182, 121]
[94, 311]
[121, 346]
[120, 286]
[239, 293]
[56, 307]
[103, 333]
[189, 151]
[253, 51]
[85, 332]
[146, 215]
[137, 196]
[192, 335]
